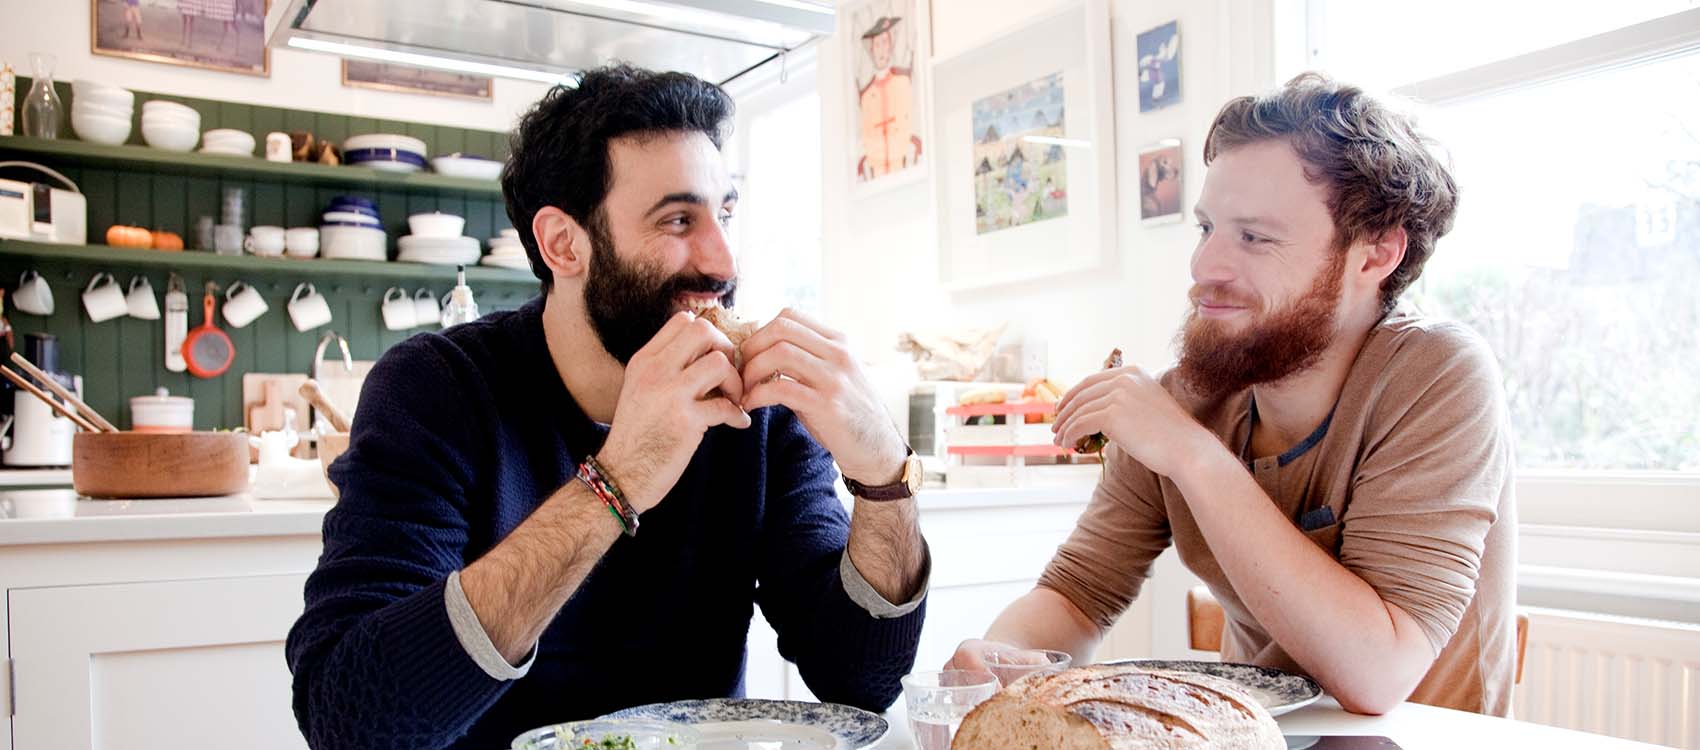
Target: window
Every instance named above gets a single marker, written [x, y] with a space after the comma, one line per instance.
[777, 166]
[1576, 251]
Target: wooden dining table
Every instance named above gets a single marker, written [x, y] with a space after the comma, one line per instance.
[1413, 726]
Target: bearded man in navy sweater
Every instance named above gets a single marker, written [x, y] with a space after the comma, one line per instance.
[485, 572]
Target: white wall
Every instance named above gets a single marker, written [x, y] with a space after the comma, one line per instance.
[883, 247]
[299, 80]
[881, 265]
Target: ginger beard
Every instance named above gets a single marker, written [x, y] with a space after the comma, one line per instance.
[1216, 361]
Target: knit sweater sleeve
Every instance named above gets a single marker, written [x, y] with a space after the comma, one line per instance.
[844, 653]
[375, 658]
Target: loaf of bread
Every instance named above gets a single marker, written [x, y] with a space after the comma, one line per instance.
[1119, 707]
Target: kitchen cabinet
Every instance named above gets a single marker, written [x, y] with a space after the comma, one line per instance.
[151, 624]
[190, 665]
[988, 548]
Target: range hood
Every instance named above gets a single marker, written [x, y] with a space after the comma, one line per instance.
[546, 40]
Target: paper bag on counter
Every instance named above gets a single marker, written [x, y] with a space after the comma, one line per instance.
[951, 355]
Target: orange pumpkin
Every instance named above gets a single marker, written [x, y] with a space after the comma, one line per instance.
[167, 241]
[120, 235]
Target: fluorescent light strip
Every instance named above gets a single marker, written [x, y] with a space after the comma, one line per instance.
[669, 16]
[1053, 141]
[425, 61]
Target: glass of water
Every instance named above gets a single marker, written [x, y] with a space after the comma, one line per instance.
[938, 701]
[1009, 665]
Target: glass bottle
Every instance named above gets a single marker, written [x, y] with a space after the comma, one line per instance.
[42, 109]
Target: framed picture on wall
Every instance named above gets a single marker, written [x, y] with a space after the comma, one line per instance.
[1159, 52]
[1160, 182]
[887, 48]
[368, 74]
[1025, 158]
[227, 35]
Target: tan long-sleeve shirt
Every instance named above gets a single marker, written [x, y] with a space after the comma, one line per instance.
[1408, 484]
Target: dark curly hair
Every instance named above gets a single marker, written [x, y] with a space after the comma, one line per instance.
[558, 153]
[1379, 172]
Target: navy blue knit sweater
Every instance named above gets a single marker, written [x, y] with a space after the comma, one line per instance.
[460, 435]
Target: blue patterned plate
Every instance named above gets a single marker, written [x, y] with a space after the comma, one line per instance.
[737, 722]
[1280, 692]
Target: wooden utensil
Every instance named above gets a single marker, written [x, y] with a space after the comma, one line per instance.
[63, 410]
[89, 415]
[310, 391]
[140, 465]
[208, 350]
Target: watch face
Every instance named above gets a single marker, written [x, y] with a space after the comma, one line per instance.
[912, 474]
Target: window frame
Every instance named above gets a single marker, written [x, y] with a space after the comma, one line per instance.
[1640, 504]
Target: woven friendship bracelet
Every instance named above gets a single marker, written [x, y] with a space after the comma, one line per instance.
[590, 472]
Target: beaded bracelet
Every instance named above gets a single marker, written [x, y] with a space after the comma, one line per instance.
[590, 472]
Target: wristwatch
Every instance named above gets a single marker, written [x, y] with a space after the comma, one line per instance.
[905, 487]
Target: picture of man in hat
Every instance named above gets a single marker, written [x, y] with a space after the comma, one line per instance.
[887, 104]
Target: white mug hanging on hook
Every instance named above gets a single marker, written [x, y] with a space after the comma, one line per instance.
[398, 310]
[307, 308]
[33, 296]
[425, 310]
[140, 301]
[243, 304]
[104, 300]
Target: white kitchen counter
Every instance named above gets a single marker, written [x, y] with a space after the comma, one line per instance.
[59, 516]
[35, 477]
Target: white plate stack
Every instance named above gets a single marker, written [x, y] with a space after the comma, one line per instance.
[385, 152]
[228, 142]
[101, 113]
[507, 252]
[437, 240]
[170, 126]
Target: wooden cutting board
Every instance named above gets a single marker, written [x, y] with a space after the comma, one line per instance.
[265, 396]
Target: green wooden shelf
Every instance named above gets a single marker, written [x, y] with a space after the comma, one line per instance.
[82, 153]
[101, 257]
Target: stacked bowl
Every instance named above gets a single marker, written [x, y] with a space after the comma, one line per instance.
[351, 230]
[468, 166]
[170, 126]
[507, 252]
[385, 152]
[437, 240]
[101, 113]
[228, 142]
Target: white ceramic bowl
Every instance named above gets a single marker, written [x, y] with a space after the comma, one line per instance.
[301, 242]
[192, 122]
[161, 106]
[436, 224]
[99, 93]
[169, 137]
[96, 128]
[350, 217]
[385, 140]
[353, 243]
[102, 109]
[460, 166]
[227, 136]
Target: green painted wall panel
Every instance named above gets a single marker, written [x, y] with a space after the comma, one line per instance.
[123, 358]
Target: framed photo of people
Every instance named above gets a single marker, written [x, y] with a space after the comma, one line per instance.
[226, 35]
[887, 48]
[1025, 158]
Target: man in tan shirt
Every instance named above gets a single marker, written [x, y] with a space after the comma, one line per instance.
[1335, 467]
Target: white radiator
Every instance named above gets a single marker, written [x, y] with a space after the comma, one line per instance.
[1634, 679]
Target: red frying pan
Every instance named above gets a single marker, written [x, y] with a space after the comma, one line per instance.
[208, 350]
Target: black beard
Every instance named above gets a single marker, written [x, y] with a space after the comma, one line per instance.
[628, 303]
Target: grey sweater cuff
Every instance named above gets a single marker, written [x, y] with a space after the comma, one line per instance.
[477, 643]
[863, 594]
